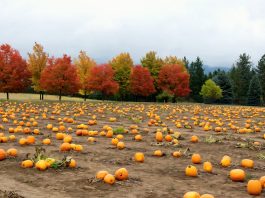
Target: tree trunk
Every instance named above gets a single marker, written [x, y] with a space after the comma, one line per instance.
[85, 96]
[60, 95]
[40, 95]
[7, 95]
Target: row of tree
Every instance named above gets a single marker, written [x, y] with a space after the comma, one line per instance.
[242, 84]
[159, 79]
[120, 77]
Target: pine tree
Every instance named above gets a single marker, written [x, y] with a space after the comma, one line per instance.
[261, 74]
[186, 62]
[240, 75]
[197, 78]
[223, 81]
[254, 92]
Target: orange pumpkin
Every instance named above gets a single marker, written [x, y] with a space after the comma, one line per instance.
[114, 141]
[158, 153]
[2, 154]
[27, 164]
[139, 157]
[46, 141]
[191, 171]
[262, 181]
[194, 139]
[41, 165]
[12, 152]
[22, 141]
[237, 175]
[207, 167]
[196, 158]
[226, 161]
[65, 146]
[177, 154]
[60, 136]
[120, 145]
[72, 163]
[254, 187]
[191, 194]
[138, 138]
[101, 174]
[121, 174]
[168, 138]
[247, 163]
[109, 179]
[30, 139]
[159, 136]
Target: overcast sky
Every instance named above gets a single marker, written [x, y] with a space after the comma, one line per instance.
[216, 30]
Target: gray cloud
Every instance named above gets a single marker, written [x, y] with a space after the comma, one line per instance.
[217, 31]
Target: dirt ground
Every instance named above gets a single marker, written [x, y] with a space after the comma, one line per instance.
[157, 176]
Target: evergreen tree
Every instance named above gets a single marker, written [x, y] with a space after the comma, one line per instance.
[240, 75]
[223, 81]
[254, 92]
[197, 78]
[186, 62]
[261, 74]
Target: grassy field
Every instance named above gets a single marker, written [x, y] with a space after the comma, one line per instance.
[29, 97]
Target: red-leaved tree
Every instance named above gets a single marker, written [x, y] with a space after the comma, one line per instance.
[60, 77]
[141, 81]
[174, 80]
[101, 79]
[14, 75]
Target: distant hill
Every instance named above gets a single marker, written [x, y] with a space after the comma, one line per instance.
[208, 69]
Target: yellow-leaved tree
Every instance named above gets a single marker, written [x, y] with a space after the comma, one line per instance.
[84, 64]
[173, 60]
[36, 63]
[122, 65]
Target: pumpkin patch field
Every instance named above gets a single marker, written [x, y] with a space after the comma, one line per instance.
[112, 149]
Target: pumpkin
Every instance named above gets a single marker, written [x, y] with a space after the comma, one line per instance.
[67, 138]
[262, 181]
[191, 194]
[191, 171]
[72, 163]
[168, 138]
[120, 145]
[101, 174]
[177, 154]
[138, 138]
[27, 164]
[159, 136]
[119, 136]
[109, 179]
[65, 146]
[41, 165]
[114, 141]
[78, 147]
[12, 138]
[158, 153]
[237, 175]
[109, 134]
[226, 161]
[12, 152]
[207, 167]
[30, 139]
[22, 141]
[247, 163]
[196, 158]
[2, 154]
[121, 174]
[139, 157]
[194, 139]
[218, 129]
[46, 141]
[91, 139]
[254, 187]
[59, 136]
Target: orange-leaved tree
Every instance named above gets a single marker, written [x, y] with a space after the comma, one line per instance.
[141, 81]
[102, 80]
[14, 75]
[174, 80]
[60, 77]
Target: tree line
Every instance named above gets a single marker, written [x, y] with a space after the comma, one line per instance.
[155, 79]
